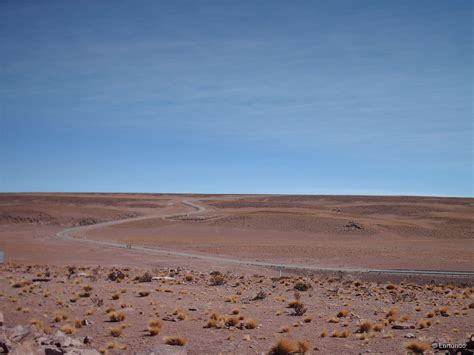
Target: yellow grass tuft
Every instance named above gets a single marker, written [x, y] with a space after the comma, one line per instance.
[418, 347]
[116, 331]
[343, 313]
[286, 347]
[154, 326]
[175, 340]
[365, 326]
[68, 329]
[251, 324]
[116, 316]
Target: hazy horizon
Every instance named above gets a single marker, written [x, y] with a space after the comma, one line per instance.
[333, 98]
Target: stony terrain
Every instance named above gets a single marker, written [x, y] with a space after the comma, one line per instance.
[68, 295]
[131, 310]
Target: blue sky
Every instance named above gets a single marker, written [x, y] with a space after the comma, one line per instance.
[330, 97]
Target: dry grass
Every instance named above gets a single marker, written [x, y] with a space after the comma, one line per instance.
[251, 324]
[217, 280]
[294, 303]
[116, 331]
[418, 347]
[378, 327]
[286, 347]
[424, 323]
[68, 329]
[60, 316]
[343, 313]
[181, 316]
[302, 286]
[232, 321]
[41, 326]
[175, 340]
[154, 326]
[116, 316]
[116, 346]
[338, 334]
[365, 326]
[392, 314]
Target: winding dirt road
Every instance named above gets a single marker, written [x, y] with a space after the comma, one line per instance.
[68, 234]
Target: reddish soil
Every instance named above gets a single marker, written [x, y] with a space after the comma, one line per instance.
[326, 231]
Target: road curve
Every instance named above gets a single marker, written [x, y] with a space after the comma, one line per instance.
[68, 234]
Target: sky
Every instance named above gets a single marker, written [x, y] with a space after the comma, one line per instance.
[286, 97]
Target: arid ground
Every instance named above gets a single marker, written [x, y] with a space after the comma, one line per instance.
[234, 274]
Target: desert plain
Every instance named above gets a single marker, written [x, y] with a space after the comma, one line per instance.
[234, 274]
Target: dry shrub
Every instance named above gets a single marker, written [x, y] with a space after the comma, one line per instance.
[217, 280]
[302, 286]
[418, 347]
[144, 293]
[115, 296]
[175, 340]
[284, 329]
[146, 277]
[307, 319]
[235, 311]
[188, 278]
[261, 295]
[286, 347]
[323, 334]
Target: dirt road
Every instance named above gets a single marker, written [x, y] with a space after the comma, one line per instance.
[69, 234]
